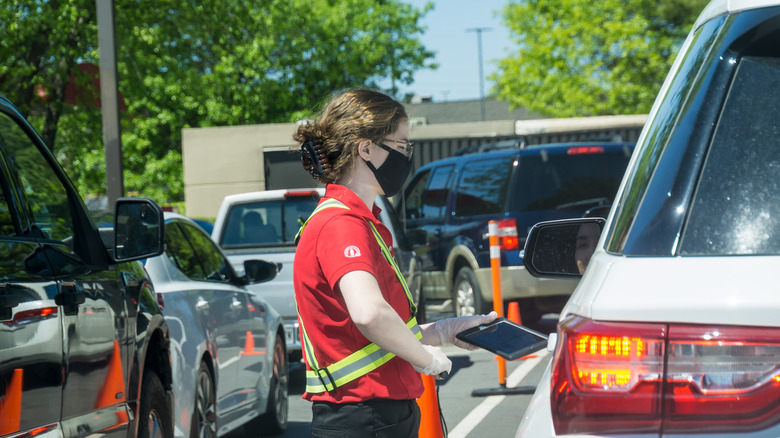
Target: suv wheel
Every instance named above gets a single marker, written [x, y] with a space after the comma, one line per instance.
[466, 294]
[155, 419]
[204, 417]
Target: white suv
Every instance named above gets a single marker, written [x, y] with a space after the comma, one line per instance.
[674, 328]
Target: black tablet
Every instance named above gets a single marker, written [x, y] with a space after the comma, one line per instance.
[505, 338]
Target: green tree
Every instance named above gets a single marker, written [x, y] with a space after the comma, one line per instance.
[585, 58]
[190, 63]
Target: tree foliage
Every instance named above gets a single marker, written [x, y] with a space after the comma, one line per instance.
[584, 58]
[191, 63]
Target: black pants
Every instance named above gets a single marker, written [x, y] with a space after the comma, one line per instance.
[372, 418]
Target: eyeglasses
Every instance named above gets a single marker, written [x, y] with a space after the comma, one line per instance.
[408, 146]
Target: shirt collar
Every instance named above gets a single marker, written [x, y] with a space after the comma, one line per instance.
[351, 200]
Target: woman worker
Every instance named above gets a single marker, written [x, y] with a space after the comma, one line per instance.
[362, 346]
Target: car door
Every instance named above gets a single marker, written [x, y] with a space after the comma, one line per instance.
[30, 325]
[86, 301]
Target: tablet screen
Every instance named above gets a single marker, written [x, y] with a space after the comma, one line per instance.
[505, 338]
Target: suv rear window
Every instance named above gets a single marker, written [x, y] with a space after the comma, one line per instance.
[267, 223]
[565, 181]
[736, 209]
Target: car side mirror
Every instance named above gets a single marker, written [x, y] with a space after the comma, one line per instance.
[138, 229]
[561, 248]
[259, 271]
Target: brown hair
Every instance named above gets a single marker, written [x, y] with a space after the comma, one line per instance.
[329, 144]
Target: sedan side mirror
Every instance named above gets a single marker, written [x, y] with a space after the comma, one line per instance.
[561, 248]
[259, 271]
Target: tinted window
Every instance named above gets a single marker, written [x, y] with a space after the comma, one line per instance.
[6, 219]
[482, 187]
[564, 181]
[33, 179]
[179, 250]
[267, 223]
[434, 199]
[660, 134]
[736, 209]
[214, 264]
[414, 196]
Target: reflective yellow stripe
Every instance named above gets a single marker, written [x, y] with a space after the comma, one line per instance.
[366, 359]
[328, 203]
[389, 256]
[353, 366]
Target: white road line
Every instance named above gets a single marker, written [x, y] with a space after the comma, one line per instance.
[483, 409]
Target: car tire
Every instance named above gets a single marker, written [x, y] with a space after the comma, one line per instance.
[155, 419]
[274, 421]
[204, 412]
[466, 294]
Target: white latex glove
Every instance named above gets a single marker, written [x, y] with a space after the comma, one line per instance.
[449, 327]
[439, 364]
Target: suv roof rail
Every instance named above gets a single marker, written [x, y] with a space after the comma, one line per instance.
[515, 143]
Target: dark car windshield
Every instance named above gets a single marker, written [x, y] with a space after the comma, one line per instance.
[267, 223]
[568, 181]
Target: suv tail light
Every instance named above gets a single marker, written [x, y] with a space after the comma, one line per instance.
[507, 233]
[648, 378]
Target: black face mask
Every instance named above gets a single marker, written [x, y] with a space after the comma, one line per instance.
[392, 174]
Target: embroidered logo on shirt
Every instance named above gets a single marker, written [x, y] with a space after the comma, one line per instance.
[352, 251]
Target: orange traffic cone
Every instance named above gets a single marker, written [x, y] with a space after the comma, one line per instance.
[513, 314]
[430, 422]
[113, 390]
[249, 345]
[11, 404]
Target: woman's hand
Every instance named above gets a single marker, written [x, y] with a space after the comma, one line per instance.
[449, 327]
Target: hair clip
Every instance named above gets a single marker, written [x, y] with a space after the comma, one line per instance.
[314, 159]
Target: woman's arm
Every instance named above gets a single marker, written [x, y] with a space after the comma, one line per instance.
[378, 321]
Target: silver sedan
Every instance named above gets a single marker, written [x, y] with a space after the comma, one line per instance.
[227, 345]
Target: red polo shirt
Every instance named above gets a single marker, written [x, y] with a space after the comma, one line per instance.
[334, 242]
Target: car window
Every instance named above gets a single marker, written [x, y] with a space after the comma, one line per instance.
[267, 223]
[6, 219]
[736, 209]
[215, 265]
[568, 181]
[413, 196]
[434, 199]
[482, 187]
[181, 253]
[661, 134]
[35, 181]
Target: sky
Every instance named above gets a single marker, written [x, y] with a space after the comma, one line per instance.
[457, 50]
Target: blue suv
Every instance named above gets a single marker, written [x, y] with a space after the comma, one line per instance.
[448, 203]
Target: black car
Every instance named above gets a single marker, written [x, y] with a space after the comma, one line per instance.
[83, 344]
[448, 204]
